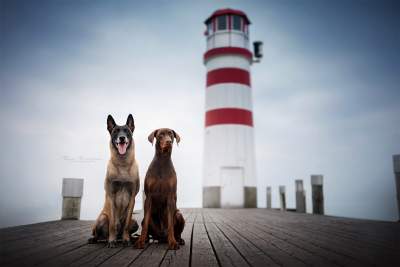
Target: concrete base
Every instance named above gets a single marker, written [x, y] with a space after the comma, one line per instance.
[269, 197]
[250, 197]
[282, 197]
[300, 201]
[211, 197]
[71, 208]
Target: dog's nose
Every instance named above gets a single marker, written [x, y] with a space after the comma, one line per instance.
[168, 142]
[122, 139]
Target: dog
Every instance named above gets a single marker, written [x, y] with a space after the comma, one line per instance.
[121, 186]
[162, 220]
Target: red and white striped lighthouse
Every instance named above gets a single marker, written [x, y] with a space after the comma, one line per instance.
[229, 177]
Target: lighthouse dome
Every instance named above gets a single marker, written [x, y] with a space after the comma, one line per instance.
[227, 27]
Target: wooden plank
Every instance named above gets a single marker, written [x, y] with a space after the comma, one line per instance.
[253, 254]
[74, 255]
[37, 230]
[152, 256]
[13, 229]
[350, 232]
[30, 245]
[304, 242]
[123, 258]
[180, 257]
[71, 245]
[43, 249]
[226, 252]
[97, 257]
[309, 257]
[384, 234]
[279, 255]
[44, 255]
[202, 252]
[349, 248]
[346, 260]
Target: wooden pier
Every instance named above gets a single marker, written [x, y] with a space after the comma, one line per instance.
[216, 237]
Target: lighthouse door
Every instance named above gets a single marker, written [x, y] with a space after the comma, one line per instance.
[232, 187]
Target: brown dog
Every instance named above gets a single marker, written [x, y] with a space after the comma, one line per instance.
[162, 220]
[121, 186]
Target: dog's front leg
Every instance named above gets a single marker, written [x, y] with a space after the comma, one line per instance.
[128, 222]
[112, 227]
[171, 207]
[146, 220]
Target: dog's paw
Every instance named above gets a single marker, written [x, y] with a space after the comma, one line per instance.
[126, 243]
[181, 242]
[139, 244]
[112, 244]
[173, 245]
[92, 240]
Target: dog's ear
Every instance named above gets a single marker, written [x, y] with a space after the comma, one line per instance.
[152, 136]
[177, 137]
[130, 123]
[110, 123]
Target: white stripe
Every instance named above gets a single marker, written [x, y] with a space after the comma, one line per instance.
[227, 38]
[228, 61]
[228, 95]
[228, 146]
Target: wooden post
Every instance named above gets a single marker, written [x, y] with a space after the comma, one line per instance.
[282, 197]
[72, 191]
[269, 198]
[300, 197]
[317, 194]
[396, 169]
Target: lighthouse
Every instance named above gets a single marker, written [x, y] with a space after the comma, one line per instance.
[229, 176]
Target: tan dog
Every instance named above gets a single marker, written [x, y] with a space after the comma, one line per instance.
[162, 220]
[121, 186]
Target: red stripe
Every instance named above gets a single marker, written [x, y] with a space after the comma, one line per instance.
[228, 75]
[229, 116]
[228, 50]
[228, 11]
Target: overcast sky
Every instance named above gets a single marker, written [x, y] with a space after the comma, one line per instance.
[326, 98]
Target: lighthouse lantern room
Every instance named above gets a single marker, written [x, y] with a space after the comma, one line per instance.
[229, 178]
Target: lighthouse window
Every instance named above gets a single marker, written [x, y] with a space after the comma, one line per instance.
[237, 22]
[221, 22]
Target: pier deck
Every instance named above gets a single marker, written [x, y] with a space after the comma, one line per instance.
[216, 237]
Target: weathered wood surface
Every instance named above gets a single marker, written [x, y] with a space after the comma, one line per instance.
[216, 237]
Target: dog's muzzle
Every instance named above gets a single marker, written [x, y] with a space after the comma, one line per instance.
[122, 145]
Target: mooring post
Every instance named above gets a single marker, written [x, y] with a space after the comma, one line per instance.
[317, 194]
[282, 197]
[72, 191]
[396, 169]
[300, 197]
[269, 198]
